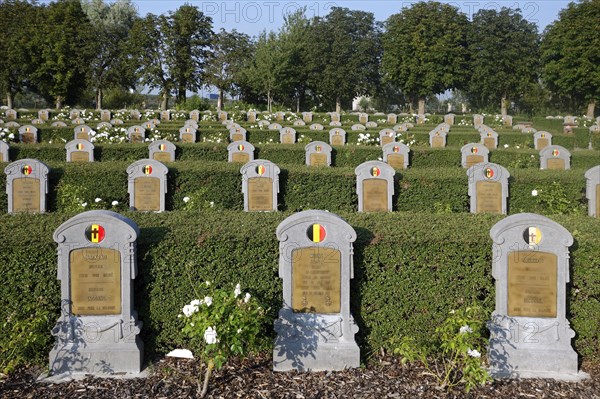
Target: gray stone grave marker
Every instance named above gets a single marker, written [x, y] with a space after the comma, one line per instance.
[104, 125]
[488, 188]
[44, 115]
[195, 115]
[190, 123]
[97, 331]
[263, 123]
[307, 117]
[58, 124]
[507, 121]
[472, 154]
[337, 136]
[28, 134]
[82, 132]
[318, 153]
[260, 185]
[237, 134]
[77, 121]
[26, 186]
[299, 122]
[147, 185]
[392, 119]
[148, 125]
[489, 138]
[105, 115]
[12, 125]
[477, 120]
[316, 126]
[117, 121]
[274, 126]
[37, 121]
[592, 191]
[187, 134]
[135, 115]
[279, 116]
[287, 135]
[74, 114]
[542, 140]
[10, 114]
[240, 151]
[251, 116]
[162, 151]
[335, 124]
[555, 157]
[363, 118]
[449, 119]
[222, 116]
[80, 151]
[530, 336]
[136, 134]
[315, 328]
[374, 186]
[371, 124]
[165, 115]
[335, 117]
[4, 151]
[386, 136]
[400, 128]
[358, 126]
[421, 119]
[437, 139]
[396, 155]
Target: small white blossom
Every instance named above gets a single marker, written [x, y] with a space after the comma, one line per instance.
[115, 203]
[473, 353]
[210, 335]
[97, 200]
[196, 302]
[247, 297]
[505, 145]
[189, 310]
[239, 330]
[212, 204]
[207, 283]
[534, 193]
[84, 204]
[465, 329]
[208, 300]
[186, 199]
[238, 290]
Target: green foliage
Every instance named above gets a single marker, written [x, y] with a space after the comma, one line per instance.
[555, 199]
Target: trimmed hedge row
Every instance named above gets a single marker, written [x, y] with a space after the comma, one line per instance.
[410, 270]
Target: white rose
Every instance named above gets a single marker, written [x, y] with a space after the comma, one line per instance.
[115, 203]
[210, 336]
[534, 193]
[189, 310]
[84, 204]
[473, 353]
[465, 329]
[97, 200]
[247, 297]
[186, 199]
[238, 290]
[208, 300]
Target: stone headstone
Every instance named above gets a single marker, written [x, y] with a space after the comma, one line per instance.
[386, 136]
[240, 151]
[421, 119]
[318, 153]
[221, 116]
[97, 331]
[77, 121]
[592, 191]
[371, 124]
[299, 122]
[43, 114]
[335, 124]
[400, 128]
[135, 115]
[260, 185]
[251, 116]
[489, 138]
[287, 135]
[392, 119]
[472, 154]
[263, 123]
[190, 123]
[279, 116]
[165, 115]
[82, 132]
[363, 118]
[374, 186]
[10, 115]
[237, 134]
[437, 139]
[542, 140]
[507, 121]
[4, 151]
[396, 155]
[315, 329]
[530, 336]
[58, 124]
[104, 125]
[275, 126]
[595, 129]
[357, 126]
[28, 134]
[316, 126]
[337, 136]
[477, 120]
[449, 119]
[162, 151]
[187, 134]
[155, 122]
[555, 157]
[147, 185]
[105, 115]
[26, 186]
[488, 188]
[335, 117]
[80, 151]
[148, 125]
[74, 114]
[37, 121]
[195, 115]
[136, 134]
[12, 125]
[569, 120]
[307, 117]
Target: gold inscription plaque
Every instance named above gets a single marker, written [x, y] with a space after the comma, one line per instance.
[542, 143]
[146, 192]
[82, 136]
[27, 138]
[375, 195]
[260, 194]
[490, 143]
[473, 160]
[2, 157]
[80, 156]
[162, 156]
[240, 157]
[287, 139]
[26, 194]
[532, 289]
[598, 200]
[489, 197]
[318, 159]
[438, 142]
[95, 281]
[337, 139]
[396, 161]
[187, 138]
[316, 280]
[386, 139]
[136, 138]
[556, 164]
[238, 137]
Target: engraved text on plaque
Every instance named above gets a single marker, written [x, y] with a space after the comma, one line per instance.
[260, 194]
[375, 195]
[147, 194]
[532, 290]
[316, 280]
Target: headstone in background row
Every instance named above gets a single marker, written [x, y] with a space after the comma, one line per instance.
[592, 191]
[374, 186]
[74, 114]
[335, 124]
[26, 186]
[77, 121]
[507, 121]
[444, 127]
[299, 122]
[80, 151]
[28, 134]
[307, 117]
[263, 123]
[222, 116]
[104, 125]
[598, 120]
[569, 120]
[195, 115]
[251, 116]
[437, 139]
[363, 118]
[274, 126]
[421, 119]
[43, 114]
[386, 136]
[528, 130]
[371, 125]
[316, 126]
[240, 151]
[488, 188]
[190, 123]
[187, 134]
[147, 185]
[1, 121]
[449, 119]
[530, 336]
[105, 115]
[165, 115]
[12, 125]
[98, 329]
[555, 157]
[357, 126]
[400, 128]
[315, 328]
[10, 114]
[392, 119]
[477, 120]
[237, 134]
[135, 115]
[82, 132]
[279, 116]
[396, 155]
[542, 140]
[472, 154]
[260, 185]
[594, 129]
[136, 134]
[489, 139]
[4, 151]
[162, 151]
[318, 153]
[337, 136]
[155, 122]
[335, 117]
[116, 121]
[37, 121]
[287, 135]
[58, 124]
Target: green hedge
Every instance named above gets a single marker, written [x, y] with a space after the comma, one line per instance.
[410, 270]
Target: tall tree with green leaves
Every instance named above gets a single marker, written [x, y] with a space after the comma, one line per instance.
[504, 54]
[425, 50]
[571, 56]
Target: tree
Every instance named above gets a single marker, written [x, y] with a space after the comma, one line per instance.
[570, 56]
[230, 55]
[424, 50]
[504, 53]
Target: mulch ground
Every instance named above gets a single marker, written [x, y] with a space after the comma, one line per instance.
[254, 378]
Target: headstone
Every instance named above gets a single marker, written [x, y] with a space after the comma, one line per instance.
[400, 128]
[592, 191]
[237, 134]
[421, 119]
[3, 151]
[190, 123]
[472, 154]
[279, 116]
[263, 123]
[162, 151]
[43, 114]
[82, 132]
[147, 185]
[37, 121]
[488, 188]
[260, 185]
[58, 124]
[318, 153]
[105, 115]
[316, 126]
[335, 117]
[80, 151]
[195, 115]
[449, 119]
[155, 122]
[315, 329]
[477, 120]
[165, 115]
[489, 138]
[104, 125]
[12, 125]
[528, 130]
[396, 155]
[74, 114]
[363, 118]
[26, 186]
[371, 124]
[222, 116]
[275, 126]
[77, 121]
[287, 135]
[335, 124]
[598, 120]
[555, 157]
[437, 139]
[97, 331]
[136, 134]
[28, 134]
[392, 119]
[10, 114]
[307, 117]
[135, 115]
[187, 134]
[337, 136]
[569, 120]
[542, 140]
[357, 126]
[386, 136]
[595, 129]
[251, 116]
[299, 122]
[374, 186]
[507, 121]
[530, 336]
[240, 151]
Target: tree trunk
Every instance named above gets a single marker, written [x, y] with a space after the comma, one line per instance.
[421, 106]
[220, 100]
[591, 108]
[269, 101]
[503, 106]
[9, 100]
[99, 99]
[338, 104]
[298, 104]
[59, 102]
[165, 101]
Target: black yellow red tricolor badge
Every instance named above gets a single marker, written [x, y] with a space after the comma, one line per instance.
[488, 172]
[27, 169]
[543, 135]
[316, 233]
[318, 148]
[375, 172]
[241, 147]
[162, 147]
[260, 170]
[555, 152]
[489, 134]
[79, 146]
[147, 170]
[532, 236]
[396, 148]
[474, 150]
[94, 233]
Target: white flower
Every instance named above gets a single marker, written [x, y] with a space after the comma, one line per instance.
[212, 204]
[210, 336]
[473, 353]
[465, 329]
[84, 204]
[11, 136]
[505, 145]
[238, 290]
[196, 302]
[239, 330]
[207, 283]
[247, 297]
[534, 193]
[208, 300]
[186, 199]
[189, 310]
[97, 200]
[115, 203]
[518, 147]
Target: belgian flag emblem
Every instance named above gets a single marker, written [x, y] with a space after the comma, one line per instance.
[474, 150]
[260, 170]
[396, 148]
[79, 146]
[488, 173]
[27, 129]
[162, 147]
[543, 135]
[27, 170]
[390, 134]
[95, 233]
[82, 130]
[318, 148]
[532, 236]
[147, 170]
[241, 147]
[489, 134]
[187, 130]
[555, 152]
[316, 233]
[375, 172]
[337, 132]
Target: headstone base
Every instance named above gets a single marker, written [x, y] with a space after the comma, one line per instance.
[123, 357]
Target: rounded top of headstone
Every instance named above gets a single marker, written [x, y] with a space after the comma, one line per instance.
[253, 168]
[124, 225]
[555, 151]
[17, 166]
[475, 149]
[240, 145]
[374, 169]
[395, 146]
[512, 227]
[147, 167]
[593, 173]
[312, 216]
[79, 144]
[158, 143]
[314, 144]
